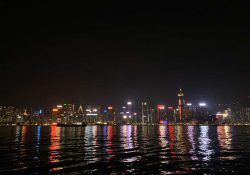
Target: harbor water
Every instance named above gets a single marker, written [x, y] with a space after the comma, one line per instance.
[128, 149]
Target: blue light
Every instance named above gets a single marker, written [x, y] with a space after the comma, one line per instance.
[40, 111]
[105, 110]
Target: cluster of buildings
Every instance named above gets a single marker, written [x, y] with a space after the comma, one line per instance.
[184, 113]
[10, 115]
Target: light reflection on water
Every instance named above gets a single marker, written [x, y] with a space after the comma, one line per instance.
[128, 148]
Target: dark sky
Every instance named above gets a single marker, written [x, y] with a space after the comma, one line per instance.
[107, 53]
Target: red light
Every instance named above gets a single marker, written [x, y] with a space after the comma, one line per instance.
[170, 107]
[161, 106]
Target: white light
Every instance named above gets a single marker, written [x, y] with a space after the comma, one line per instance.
[123, 107]
[87, 109]
[202, 104]
[95, 110]
[189, 104]
[91, 114]
[59, 106]
[134, 113]
[130, 116]
[19, 117]
[124, 116]
[129, 103]
[161, 107]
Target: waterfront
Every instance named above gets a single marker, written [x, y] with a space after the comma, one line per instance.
[125, 149]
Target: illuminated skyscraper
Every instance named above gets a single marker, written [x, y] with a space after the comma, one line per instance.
[161, 113]
[54, 116]
[181, 103]
[80, 111]
[170, 114]
[129, 106]
[79, 115]
[145, 111]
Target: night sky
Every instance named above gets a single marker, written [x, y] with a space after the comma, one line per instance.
[108, 53]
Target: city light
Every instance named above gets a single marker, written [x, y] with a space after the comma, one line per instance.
[129, 116]
[55, 110]
[163, 121]
[105, 110]
[59, 106]
[202, 104]
[91, 114]
[40, 111]
[135, 114]
[170, 107]
[54, 123]
[161, 107]
[94, 110]
[65, 104]
[129, 103]
[124, 107]
[127, 112]
[189, 104]
[110, 107]
[124, 116]
[222, 114]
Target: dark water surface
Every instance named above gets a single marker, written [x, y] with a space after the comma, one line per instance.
[125, 149]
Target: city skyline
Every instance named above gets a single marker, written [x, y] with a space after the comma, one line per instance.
[184, 111]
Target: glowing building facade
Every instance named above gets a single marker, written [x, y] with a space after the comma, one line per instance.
[181, 103]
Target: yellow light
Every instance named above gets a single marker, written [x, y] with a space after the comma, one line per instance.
[54, 123]
[55, 110]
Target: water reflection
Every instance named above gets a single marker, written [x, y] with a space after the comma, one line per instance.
[124, 149]
[55, 145]
[225, 140]
[191, 136]
[204, 143]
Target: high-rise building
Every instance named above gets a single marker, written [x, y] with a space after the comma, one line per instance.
[161, 113]
[201, 111]
[145, 114]
[79, 115]
[181, 103]
[170, 114]
[54, 116]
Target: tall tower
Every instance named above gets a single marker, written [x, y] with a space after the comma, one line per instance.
[145, 111]
[80, 111]
[181, 103]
